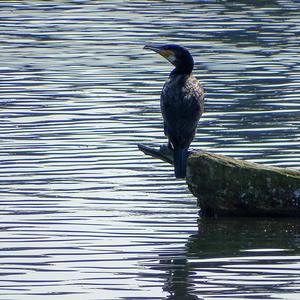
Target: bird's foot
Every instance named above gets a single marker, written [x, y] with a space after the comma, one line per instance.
[170, 146]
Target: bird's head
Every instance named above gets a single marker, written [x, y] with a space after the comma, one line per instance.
[177, 55]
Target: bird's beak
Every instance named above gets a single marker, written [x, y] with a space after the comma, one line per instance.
[168, 54]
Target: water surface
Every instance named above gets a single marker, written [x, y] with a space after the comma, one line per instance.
[84, 214]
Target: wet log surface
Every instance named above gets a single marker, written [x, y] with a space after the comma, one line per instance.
[225, 186]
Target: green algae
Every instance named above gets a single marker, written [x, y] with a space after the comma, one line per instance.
[226, 186]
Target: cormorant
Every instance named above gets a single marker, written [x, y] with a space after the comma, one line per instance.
[181, 102]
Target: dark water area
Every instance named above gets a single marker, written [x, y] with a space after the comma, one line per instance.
[84, 214]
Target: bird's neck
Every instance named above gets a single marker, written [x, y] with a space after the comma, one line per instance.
[177, 72]
[184, 65]
[183, 69]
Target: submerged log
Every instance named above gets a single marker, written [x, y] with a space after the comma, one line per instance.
[225, 186]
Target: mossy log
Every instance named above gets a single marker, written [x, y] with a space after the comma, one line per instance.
[225, 186]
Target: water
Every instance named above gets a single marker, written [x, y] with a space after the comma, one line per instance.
[84, 214]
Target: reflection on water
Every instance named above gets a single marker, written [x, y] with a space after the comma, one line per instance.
[83, 212]
[241, 258]
[239, 235]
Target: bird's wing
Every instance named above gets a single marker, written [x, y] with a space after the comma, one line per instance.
[182, 106]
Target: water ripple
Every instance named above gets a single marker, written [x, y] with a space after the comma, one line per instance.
[83, 212]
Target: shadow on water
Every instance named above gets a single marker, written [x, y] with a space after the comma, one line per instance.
[232, 258]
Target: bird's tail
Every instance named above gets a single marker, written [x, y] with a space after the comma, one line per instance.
[180, 160]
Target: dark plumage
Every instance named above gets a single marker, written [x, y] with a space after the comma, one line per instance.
[182, 103]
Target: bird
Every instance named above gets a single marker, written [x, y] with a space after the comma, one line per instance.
[181, 103]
